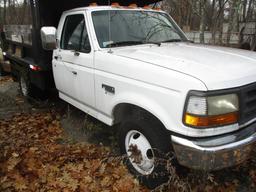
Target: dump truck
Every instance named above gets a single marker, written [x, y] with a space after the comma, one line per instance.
[131, 66]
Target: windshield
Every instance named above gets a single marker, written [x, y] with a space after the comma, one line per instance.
[134, 27]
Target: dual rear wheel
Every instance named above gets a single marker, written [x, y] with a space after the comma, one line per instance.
[28, 90]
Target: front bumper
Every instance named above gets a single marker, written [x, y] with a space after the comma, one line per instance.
[215, 153]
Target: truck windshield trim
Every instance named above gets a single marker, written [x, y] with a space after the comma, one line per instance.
[146, 27]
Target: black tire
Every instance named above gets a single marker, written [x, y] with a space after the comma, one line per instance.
[29, 91]
[2, 72]
[160, 142]
[26, 88]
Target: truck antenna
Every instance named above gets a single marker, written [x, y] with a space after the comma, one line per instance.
[109, 28]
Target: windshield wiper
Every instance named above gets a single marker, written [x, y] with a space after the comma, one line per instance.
[124, 43]
[127, 43]
[172, 40]
[152, 42]
[176, 40]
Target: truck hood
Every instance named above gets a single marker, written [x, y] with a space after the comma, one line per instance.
[216, 67]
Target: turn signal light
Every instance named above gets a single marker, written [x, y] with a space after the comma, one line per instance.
[211, 121]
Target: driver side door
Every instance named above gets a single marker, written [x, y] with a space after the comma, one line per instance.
[75, 62]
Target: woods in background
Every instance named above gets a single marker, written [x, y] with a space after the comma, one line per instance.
[16, 12]
[223, 22]
[220, 18]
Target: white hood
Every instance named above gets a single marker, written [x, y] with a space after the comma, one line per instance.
[216, 67]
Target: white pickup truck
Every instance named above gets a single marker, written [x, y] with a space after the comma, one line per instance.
[136, 68]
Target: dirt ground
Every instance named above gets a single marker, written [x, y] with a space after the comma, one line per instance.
[78, 126]
[51, 146]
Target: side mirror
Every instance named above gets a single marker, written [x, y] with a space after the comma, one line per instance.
[48, 37]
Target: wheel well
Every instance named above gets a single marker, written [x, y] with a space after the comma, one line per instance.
[124, 110]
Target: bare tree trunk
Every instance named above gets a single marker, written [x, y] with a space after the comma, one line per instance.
[8, 11]
[202, 20]
[24, 9]
[250, 11]
[221, 20]
[253, 46]
[244, 10]
[213, 25]
[232, 19]
[4, 12]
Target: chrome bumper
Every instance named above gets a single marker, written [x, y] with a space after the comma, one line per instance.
[215, 153]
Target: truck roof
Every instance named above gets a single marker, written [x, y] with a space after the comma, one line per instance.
[81, 3]
[127, 2]
[98, 8]
[48, 12]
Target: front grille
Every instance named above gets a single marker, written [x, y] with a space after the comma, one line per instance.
[248, 103]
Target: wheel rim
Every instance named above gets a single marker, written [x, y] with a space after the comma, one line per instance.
[146, 164]
[23, 86]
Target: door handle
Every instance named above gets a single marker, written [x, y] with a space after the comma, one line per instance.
[57, 57]
[74, 72]
[76, 53]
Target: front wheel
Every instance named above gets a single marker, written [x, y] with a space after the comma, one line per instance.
[145, 144]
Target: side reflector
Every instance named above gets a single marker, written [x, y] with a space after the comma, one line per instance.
[35, 68]
[211, 121]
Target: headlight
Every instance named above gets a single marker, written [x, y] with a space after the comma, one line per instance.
[204, 111]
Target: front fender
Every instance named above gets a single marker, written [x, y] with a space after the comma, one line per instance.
[156, 107]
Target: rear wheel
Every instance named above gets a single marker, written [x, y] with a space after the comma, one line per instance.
[2, 72]
[26, 88]
[29, 91]
[145, 144]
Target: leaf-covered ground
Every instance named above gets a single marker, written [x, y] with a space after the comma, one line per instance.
[36, 157]
[42, 150]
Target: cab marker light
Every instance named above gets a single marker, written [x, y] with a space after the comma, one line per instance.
[116, 5]
[133, 6]
[146, 7]
[93, 5]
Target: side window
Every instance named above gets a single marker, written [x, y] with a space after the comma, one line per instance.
[74, 35]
